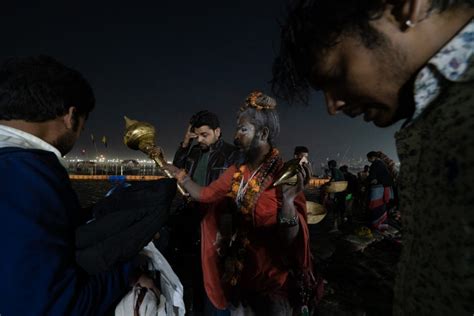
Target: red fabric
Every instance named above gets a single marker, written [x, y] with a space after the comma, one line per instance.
[264, 269]
[382, 200]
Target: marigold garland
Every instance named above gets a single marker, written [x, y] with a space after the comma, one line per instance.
[234, 262]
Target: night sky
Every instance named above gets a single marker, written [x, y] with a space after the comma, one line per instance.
[163, 61]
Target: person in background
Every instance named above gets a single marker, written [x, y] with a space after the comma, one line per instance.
[350, 192]
[362, 199]
[380, 184]
[335, 201]
[204, 161]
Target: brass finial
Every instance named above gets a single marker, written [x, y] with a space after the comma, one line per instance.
[141, 136]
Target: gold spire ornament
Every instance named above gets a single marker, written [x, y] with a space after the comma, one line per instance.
[141, 136]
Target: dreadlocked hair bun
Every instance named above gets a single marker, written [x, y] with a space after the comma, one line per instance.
[259, 101]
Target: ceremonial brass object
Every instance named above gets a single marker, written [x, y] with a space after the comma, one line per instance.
[141, 136]
[315, 212]
[289, 175]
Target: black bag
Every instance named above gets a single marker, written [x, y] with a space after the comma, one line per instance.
[124, 223]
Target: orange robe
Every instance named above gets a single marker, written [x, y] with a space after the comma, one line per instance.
[267, 262]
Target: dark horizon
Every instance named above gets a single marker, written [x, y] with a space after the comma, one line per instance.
[161, 63]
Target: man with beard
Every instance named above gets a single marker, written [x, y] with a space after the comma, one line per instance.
[393, 60]
[43, 109]
[250, 262]
[204, 162]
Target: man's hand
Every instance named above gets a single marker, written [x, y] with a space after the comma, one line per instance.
[304, 163]
[145, 281]
[155, 151]
[304, 160]
[188, 137]
[172, 169]
[291, 191]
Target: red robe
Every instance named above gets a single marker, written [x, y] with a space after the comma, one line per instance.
[267, 262]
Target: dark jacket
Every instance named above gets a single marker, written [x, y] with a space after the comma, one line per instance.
[39, 214]
[222, 156]
[379, 171]
[124, 223]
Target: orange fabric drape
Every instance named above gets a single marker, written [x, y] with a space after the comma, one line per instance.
[267, 263]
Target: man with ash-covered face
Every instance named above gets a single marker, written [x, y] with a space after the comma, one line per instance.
[250, 261]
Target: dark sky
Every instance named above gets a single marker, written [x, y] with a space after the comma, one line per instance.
[162, 61]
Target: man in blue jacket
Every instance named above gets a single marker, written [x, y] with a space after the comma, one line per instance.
[43, 108]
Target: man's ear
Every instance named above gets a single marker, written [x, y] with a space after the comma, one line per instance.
[70, 118]
[218, 132]
[407, 13]
[264, 134]
[412, 12]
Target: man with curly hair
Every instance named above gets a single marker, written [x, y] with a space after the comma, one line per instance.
[394, 60]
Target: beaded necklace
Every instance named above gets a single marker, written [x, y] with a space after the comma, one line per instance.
[246, 197]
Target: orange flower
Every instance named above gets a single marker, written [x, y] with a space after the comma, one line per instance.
[235, 187]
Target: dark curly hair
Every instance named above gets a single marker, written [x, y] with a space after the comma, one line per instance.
[204, 117]
[300, 150]
[313, 26]
[39, 88]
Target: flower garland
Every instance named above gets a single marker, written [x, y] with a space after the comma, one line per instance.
[234, 262]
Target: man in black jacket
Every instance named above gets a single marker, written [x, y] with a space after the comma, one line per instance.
[204, 161]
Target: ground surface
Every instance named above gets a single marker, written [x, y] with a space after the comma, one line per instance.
[359, 270]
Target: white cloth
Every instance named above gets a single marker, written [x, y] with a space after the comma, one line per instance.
[12, 137]
[171, 299]
[150, 305]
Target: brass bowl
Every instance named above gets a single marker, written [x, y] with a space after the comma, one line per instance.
[336, 186]
[315, 212]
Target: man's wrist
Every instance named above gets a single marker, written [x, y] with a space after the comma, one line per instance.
[180, 175]
[287, 221]
[185, 179]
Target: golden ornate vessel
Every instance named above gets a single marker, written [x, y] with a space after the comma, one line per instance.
[141, 136]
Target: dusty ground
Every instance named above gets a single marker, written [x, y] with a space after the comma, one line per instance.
[359, 272]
